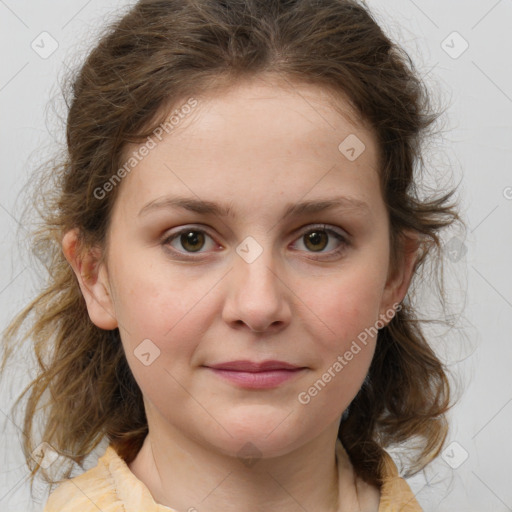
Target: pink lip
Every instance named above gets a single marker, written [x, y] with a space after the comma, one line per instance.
[248, 374]
[252, 366]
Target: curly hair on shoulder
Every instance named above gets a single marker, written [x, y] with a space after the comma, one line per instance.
[153, 56]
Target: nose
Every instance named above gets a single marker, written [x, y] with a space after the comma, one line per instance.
[258, 295]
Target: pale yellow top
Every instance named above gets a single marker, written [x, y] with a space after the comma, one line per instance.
[110, 486]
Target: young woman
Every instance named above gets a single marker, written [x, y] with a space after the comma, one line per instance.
[231, 240]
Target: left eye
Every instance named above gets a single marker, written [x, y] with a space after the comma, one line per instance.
[315, 239]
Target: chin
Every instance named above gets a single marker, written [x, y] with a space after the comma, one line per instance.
[258, 440]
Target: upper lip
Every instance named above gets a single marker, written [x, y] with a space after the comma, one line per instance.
[252, 366]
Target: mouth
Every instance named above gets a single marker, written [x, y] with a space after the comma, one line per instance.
[256, 375]
[253, 366]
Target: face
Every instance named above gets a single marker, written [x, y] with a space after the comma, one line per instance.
[191, 287]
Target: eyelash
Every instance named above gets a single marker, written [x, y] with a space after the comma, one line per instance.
[319, 227]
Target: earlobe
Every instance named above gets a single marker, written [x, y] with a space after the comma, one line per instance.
[399, 281]
[93, 280]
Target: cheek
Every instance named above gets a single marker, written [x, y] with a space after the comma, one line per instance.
[344, 343]
[345, 306]
[151, 298]
[160, 324]
[155, 316]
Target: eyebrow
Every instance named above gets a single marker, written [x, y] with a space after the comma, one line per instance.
[293, 209]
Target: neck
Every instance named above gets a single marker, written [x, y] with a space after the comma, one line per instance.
[183, 474]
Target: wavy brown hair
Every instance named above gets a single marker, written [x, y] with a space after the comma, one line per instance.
[145, 63]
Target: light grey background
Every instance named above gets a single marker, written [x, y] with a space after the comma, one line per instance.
[476, 145]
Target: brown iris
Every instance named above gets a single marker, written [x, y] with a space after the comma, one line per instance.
[315, 237]
[192, 238]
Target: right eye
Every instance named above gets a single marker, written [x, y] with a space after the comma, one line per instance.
[191, 239]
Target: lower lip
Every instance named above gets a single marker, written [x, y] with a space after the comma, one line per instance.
[257, 380]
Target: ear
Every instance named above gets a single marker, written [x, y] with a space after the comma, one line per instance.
[399, 278]
[93, 280]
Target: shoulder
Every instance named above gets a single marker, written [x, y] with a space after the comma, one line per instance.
[395, 493]
[91, 491]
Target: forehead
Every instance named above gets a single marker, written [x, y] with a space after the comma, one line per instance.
[259, 140]
[255, 112]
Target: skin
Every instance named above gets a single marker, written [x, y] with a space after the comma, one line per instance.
[257, 147]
